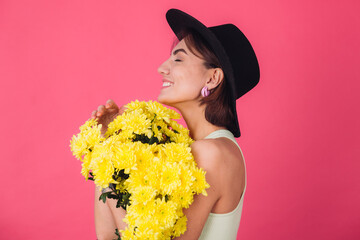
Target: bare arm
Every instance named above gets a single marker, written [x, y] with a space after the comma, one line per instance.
[104, 222]
[107, 216]
[208, 158]
[118, 214]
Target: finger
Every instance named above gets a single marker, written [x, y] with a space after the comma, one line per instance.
[93, 114]
[122, 109]
[101, 110]
[111, 104]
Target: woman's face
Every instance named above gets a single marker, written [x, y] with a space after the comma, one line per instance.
[186, 74]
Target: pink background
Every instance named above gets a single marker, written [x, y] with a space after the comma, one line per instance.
[59, 60]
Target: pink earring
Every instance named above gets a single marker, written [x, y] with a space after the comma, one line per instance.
[205, 92]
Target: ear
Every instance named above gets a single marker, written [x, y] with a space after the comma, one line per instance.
[217, 75]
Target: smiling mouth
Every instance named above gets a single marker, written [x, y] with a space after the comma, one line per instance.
[167, 84]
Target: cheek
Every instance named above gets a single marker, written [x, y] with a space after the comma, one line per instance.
[186, 85]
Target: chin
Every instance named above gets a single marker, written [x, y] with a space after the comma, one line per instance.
[164, 100]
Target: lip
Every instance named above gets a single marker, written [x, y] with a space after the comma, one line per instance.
[165, 80]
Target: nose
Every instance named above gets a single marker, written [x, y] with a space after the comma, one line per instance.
[163, 69]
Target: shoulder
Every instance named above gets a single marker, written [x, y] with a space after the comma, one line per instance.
[207, 154]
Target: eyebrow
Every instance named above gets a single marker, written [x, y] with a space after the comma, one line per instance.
[179, 50]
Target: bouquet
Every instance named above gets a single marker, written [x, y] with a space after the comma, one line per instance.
[145, 159]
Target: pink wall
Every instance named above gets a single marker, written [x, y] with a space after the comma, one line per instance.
[300, 126]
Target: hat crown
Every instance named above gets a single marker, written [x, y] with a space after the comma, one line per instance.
[241, 55]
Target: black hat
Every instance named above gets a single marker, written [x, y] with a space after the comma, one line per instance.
[234, 51]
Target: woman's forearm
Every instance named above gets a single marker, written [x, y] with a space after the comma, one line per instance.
[117, 213]
[104, 221]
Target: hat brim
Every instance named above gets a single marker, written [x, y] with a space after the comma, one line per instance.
[178, 21]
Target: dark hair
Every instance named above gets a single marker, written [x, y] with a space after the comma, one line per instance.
[218, 102]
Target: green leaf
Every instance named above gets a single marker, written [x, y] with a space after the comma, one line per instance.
[113, 196]
[117, 234]
[103, 196]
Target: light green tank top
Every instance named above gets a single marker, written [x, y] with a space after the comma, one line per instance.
[224, 226]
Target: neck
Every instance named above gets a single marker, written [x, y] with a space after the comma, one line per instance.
[194, 116]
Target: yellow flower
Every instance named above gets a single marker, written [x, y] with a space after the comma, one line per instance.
[183, 197]
[102, 166]
[115, 125]
[200, 183]
[142, 195]
[128, 233]
[140, 212]
[88, 124]
[78, 146]
[161, 111]
[84, 141]
[162, 176]
[187, 178]
[147, 230]
[134, 105]
[170, 179]
[180, 226]
[137, 122]
[178, 152]
[165, 212]
[144, 155]
[86, 165]
[123, 156]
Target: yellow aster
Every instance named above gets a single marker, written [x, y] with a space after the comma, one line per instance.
[101, 166]
[154, 172]
[137, 178]
[123, 156]
[165, 212]
[78, 146]
[140, 212]
[178, 152]
[166, 233]
[126, 135]
[170, 178]
[134, 105]
[200, 183]
[161, 111]
[147, 230]
[183, 197]
[128, 233]
[143, 194]
[115, 126]
[137, 122]
[156, 128]
[86, 165]
[186, 177]
[180, 226]
[89, 135]
[143, 155]
[88, 124]
[93, 136]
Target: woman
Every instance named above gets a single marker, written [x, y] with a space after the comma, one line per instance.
[208, 69]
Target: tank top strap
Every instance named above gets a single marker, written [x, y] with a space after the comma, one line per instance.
[228, 134]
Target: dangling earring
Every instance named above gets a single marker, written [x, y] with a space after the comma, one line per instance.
[205, 92]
